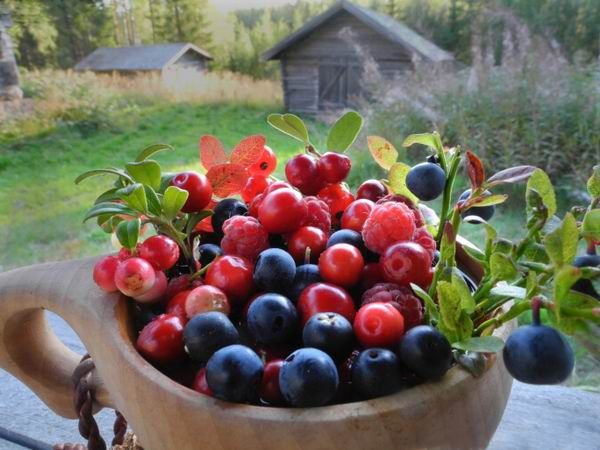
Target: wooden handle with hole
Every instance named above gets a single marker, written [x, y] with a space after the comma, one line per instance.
[29, 349]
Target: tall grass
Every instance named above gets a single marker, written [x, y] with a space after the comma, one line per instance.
[90, 102]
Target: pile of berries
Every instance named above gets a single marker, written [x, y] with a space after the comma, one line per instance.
[299, 293]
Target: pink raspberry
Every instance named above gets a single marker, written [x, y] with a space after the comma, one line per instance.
[388, 223]
[318, 214]
[244, 236]
[424, 237]
[418, 215]
[402, 298]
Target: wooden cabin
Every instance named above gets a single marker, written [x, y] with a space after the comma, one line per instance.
[321, 69]
[179, 61]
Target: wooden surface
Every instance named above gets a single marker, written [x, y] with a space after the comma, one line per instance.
[167, 415]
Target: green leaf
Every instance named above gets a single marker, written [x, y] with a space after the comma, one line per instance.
[382, 151]
[429, 139]
[467, 303]
[573, 325]
[397, 181]
[145, 172]
[593, 183]
[107, 196]
[173, 200]
[448, 244]
[431, 309]
[564, 278]
[291, 125]
[165, 181]
[151, 150]
[489, 200]
[506, 290]
[128, 233]
[561, 244]
[135, 197]
[483, 344]
[344, 132]
[591, 225]
[475, 253]
[540, 182]
[108, 222]
[450, 304]
[96, 172]
[503, 246]
[154, 207]
[502, 267]
[109, 208]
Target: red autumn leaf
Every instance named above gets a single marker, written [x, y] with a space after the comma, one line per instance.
[248, 150]
[212, 152]
[475, 170]
[227, 179]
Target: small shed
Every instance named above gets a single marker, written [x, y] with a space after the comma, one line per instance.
[172, 61]
[321, 69]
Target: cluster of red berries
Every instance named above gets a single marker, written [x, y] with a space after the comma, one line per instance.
[295, 265]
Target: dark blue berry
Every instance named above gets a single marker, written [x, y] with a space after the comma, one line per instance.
[484, 212]
[426, 352]
[208, 332]
[274, 271]
[272, 319]
[538, 354]
[208, 252]
[234, 374]
[583, 285]
[306, 275]
[308, 377]
[376, 373]
[225, 209]
[346, 236]
[331, 333]
[426, 181]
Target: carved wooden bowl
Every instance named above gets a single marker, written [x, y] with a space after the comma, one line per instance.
[460, 412]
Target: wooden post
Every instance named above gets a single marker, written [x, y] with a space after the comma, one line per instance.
[10, 88]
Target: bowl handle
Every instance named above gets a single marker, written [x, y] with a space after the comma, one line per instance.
[29, 349]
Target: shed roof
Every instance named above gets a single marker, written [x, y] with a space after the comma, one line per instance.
[387, 26]
[137, 58]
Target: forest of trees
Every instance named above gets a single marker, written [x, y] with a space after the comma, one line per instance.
[58, 33]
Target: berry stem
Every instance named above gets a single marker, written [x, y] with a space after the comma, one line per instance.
[536, 304]
[448, 188]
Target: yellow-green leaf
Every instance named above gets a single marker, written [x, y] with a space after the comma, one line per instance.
[429, 139]
[291, 125]
[383, 152]
[591, 225]
[135, 197]
[145, 172]
[450, 304]
[502, 267]
[561, 243]
[128, 232]
[483, 344]
[540, 182]
[397, 181]
[593, 183]
[173, 200]
[344, 132]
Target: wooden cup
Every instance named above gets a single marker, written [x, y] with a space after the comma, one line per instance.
[460, 412]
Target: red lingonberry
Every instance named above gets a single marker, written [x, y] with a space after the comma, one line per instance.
[233, 275]
[401, 297]
[157, 292]
[425, 239]
[378, 325]
[277, 185]
[104, 273]
[387, 224]
[244, 236]
[254, 205]
[371, 190]
[356, 214]
[124, 254]
[304, 238]
[265, 165]
[404, 263]
[302, 171]
[204, 299]
[371, 275]
[318, 214]
[253, 187]
[325, 297]
[334, 167]
[337, 197]
[199, 190]
[341, 264]
[179, 284]
[160, 251]
[282, 211]
[200, 384]
[176, 305]
[161, 341]
[134, 276]
[269, 386]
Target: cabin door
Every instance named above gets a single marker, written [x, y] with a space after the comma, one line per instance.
[338, 84]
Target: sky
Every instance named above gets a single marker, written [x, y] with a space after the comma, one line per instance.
[231, 5]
